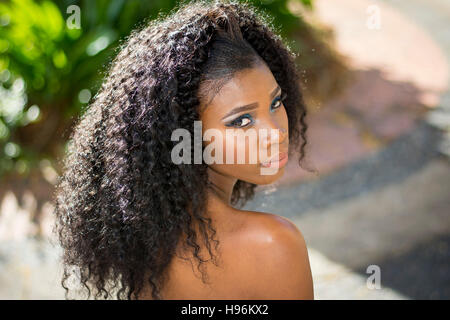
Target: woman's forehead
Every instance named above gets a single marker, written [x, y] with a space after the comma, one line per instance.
[246, 86]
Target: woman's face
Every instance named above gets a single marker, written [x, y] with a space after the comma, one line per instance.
[249, 120]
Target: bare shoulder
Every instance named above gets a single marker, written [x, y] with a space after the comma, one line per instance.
[277, 257]
[266, 229]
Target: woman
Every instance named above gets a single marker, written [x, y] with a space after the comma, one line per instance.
[133, 223]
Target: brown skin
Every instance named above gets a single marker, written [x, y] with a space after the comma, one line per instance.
[260, 255]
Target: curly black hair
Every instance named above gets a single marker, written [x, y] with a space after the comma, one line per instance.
[121, 204]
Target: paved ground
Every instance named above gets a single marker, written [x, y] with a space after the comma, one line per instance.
[400, 72]
[434, 17]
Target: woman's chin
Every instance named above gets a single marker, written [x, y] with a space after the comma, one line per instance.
[268, 176]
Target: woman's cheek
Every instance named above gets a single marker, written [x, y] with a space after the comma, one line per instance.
[236, 150]
[246, 149]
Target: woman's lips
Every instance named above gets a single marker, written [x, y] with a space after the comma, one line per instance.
[276, 162]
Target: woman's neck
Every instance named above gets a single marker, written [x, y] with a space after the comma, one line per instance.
[222, 187]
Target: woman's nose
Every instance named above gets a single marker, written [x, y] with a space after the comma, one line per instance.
[274, 135]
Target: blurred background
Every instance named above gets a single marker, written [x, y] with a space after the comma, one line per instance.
[375, 209]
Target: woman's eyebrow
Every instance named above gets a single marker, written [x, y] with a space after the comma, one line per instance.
[250, 106]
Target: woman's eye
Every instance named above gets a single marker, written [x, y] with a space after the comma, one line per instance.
[241, 122]
[277, 103]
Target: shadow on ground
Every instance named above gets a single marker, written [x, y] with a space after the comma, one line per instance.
[421, 272]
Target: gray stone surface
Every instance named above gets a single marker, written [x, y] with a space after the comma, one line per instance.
[385, 224]
[29, 269]
[433, 16]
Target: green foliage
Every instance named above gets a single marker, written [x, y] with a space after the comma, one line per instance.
[49, 71]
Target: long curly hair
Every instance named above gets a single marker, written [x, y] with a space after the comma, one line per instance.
[121, 204]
